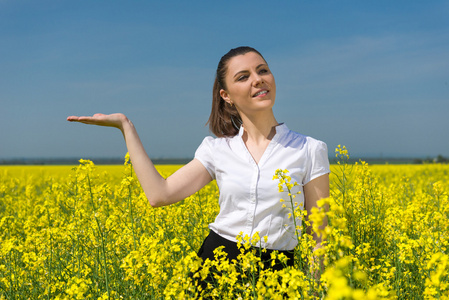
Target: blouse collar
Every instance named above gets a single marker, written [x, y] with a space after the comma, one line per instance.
[281, 128]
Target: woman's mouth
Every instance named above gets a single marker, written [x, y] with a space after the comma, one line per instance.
[261, 93]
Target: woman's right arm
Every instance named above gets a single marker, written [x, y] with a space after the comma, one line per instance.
[159, 191]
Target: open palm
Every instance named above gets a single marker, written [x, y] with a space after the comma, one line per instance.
[112, 120]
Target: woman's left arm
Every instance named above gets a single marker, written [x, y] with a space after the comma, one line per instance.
[315, 190]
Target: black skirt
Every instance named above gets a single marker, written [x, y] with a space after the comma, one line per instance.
[213, 241]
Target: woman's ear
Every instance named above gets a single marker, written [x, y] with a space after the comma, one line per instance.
[225, 96]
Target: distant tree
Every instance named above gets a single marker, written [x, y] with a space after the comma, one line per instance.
[417, 161]
[441, 159]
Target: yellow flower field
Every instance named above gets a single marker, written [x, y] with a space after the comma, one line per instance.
[88, 232]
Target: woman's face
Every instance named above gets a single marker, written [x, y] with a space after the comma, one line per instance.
[250, 85]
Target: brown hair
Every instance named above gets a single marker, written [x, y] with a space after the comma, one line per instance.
[224, 119]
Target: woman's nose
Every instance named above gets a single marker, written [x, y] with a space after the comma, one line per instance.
[257, 80]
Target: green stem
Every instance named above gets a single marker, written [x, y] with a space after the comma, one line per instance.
[101, 236]
[130, 206]
[104, 258]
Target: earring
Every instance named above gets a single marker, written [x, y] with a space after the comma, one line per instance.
[231, 104]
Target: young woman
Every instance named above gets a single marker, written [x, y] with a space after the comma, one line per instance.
[250, 146]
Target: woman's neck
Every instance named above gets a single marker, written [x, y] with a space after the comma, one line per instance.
[260, 128]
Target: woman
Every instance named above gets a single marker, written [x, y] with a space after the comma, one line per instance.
[250, 146]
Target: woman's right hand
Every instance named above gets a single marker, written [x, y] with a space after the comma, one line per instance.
[112, 120]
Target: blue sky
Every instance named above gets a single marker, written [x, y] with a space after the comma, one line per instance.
[373, 76]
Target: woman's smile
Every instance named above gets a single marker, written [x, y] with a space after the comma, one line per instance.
[261, 93]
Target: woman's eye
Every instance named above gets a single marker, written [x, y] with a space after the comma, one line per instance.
[243, 77]
[263, 71]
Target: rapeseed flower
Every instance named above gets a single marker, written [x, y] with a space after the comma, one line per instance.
[88, 232]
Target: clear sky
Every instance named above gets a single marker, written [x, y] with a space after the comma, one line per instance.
[371, 75]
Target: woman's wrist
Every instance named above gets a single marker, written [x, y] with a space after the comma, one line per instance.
[124, 123]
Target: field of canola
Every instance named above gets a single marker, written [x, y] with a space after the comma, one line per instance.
[88, 232]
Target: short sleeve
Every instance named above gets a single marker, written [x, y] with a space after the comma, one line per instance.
[204, 154]
[318, 160]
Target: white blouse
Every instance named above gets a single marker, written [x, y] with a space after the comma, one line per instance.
[249, 197]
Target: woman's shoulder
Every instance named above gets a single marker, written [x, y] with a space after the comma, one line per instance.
[212, 141]
[315, 147]
[297, 139]
[314, 141]
[221, 139]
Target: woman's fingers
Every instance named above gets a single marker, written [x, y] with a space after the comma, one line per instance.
[83, 119]
[71, 118]
[113, 120]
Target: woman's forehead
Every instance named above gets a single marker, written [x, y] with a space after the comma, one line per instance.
[244, 62]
